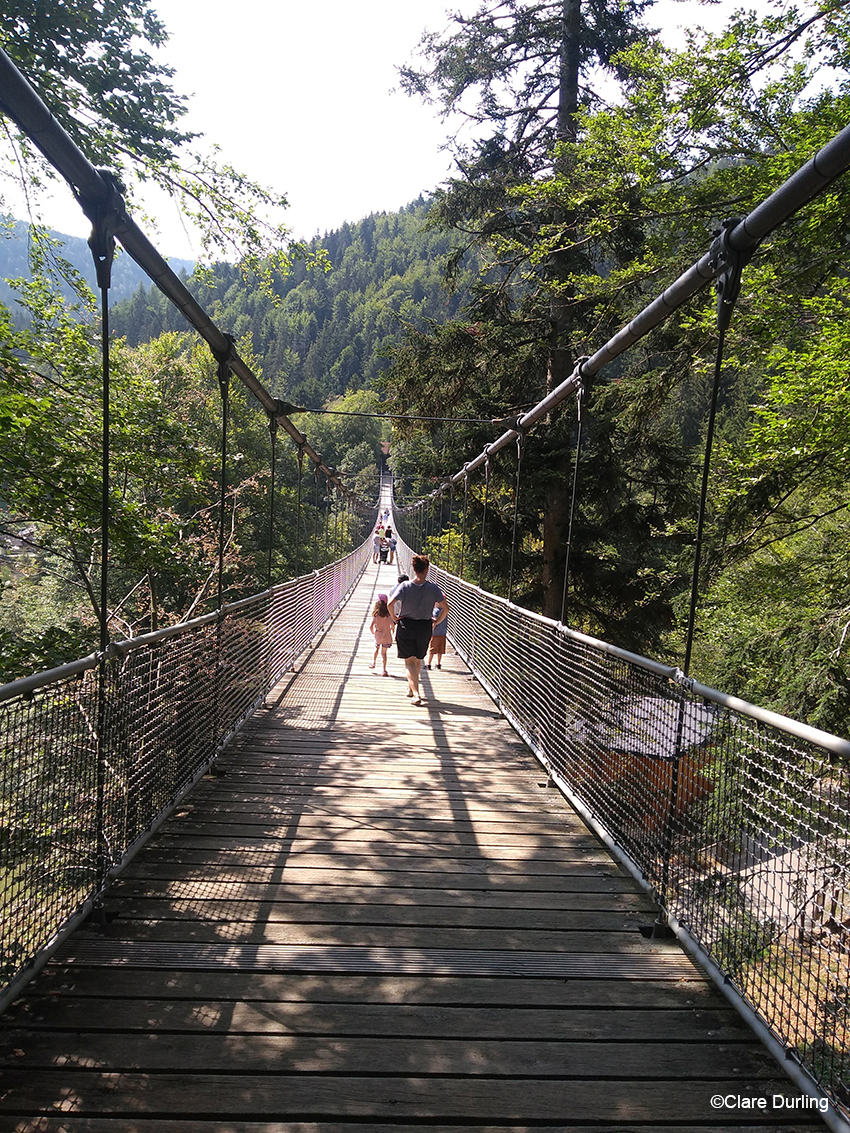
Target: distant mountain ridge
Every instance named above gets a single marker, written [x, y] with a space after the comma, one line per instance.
[127, 276]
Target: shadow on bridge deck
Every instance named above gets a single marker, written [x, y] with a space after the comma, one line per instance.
[375, 916]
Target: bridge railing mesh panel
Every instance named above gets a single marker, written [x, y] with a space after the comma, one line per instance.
[740, 827]
[83, 778]
[48, 812]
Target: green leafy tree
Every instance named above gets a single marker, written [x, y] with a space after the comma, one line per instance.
[165, 456]
[321, 335]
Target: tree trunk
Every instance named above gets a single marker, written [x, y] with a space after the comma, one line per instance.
[560, 363]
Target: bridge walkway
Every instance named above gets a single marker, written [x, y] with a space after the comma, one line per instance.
[375, 917]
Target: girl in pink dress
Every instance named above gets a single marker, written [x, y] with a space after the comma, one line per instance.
[382, 628]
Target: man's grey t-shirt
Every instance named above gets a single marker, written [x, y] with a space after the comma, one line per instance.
[417, 599]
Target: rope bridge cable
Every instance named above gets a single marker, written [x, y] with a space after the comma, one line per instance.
[463, 530]
[102, 245]
[300, 451]
[224, 388]
[315, 521]
[272, 478]
[290, 409]
[728, 289]
[484, 517]
[573, 495]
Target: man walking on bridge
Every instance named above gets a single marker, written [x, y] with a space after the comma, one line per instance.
[417, 599]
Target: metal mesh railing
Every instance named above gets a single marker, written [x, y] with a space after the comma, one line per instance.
[737, 818]
[83, 778]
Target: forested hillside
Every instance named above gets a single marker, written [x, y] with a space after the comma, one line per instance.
[319, 338]
[127, 276]
[321, 333]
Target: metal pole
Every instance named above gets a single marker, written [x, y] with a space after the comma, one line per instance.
[579, 399]
[103, 250]
[463, 529]
[298, 512]
[316, 520]
[484, 519]
[224, 387]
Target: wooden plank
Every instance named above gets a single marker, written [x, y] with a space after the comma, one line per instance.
[625, 942]
[225, 823]
[386, 855]
[68, 1013]
[579, 878]
[457, 991]
[393, 800]
[330, 835]
[441, 1098]
[595, 895]
[290, 1054]
[294, 912]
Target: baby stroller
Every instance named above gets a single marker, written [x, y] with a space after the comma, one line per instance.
[384, 552]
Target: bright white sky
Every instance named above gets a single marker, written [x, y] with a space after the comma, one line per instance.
[299, 96]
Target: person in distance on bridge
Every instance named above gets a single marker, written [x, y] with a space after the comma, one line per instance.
[392, 543]
[417, 599]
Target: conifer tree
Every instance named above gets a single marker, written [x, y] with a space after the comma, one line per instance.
[519, 74]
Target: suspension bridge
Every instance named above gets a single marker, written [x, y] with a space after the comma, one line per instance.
[374, 914]
[247, 885]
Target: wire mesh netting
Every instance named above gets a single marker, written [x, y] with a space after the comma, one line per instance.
[84, 776]
[740, 827]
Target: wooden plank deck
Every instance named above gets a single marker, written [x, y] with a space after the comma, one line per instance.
[375, 916]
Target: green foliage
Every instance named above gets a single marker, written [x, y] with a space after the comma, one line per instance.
[776, 622]
[16, 239]
[555, 279]
[164, 488]
[36, 652]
